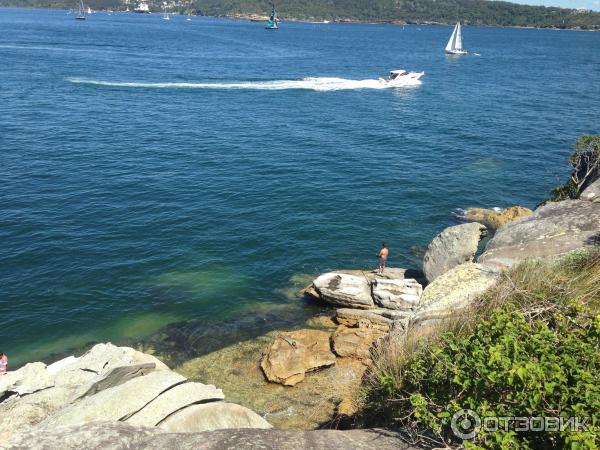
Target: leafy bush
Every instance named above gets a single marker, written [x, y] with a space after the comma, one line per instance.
[531, 350]
[585, 163]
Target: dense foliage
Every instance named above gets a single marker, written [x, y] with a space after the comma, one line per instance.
[472, 12]
[531, 350]
[585, 168]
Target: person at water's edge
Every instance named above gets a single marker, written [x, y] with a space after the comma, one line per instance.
[383, 256]
[3, 363]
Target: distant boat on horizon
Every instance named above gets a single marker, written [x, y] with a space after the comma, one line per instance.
[454, 46]
[272, 23]
[166, 14]
[81, 12]
[142, 8]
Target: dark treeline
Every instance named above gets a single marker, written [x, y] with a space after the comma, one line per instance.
[471, 12]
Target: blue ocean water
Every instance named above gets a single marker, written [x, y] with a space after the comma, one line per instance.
[155, 172]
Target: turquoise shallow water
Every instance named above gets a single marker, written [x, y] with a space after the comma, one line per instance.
[126, 207]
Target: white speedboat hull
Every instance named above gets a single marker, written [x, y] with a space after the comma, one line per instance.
[410, 78]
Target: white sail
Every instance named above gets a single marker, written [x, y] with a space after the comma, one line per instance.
[451, 43]
[458, 43]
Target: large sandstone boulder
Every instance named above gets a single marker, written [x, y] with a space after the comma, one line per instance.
[107, 383]
[452, 247]
[119, 435]
[551, 231]
[380, 318]
[36, 391]
[344, 290]
[175, 401]
[287, 360]
[396, 294]
[117, 403]
[28, 379]
[495, 218]
[451, 293]
[213, 416]
[592, 192]
[355, 342]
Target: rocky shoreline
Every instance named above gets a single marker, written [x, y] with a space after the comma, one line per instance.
[301, 379]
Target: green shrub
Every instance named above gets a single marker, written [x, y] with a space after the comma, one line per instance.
[585, 163]
[531, 349]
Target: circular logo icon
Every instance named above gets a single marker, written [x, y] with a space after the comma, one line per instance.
[465, 424]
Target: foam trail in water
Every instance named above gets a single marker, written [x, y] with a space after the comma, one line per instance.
[315, 84]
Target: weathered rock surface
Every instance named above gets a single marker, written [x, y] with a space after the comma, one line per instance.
[293, 354]
[495, 218]
[308, 405]
[592, 192]
[117, 403]
[28, 379]
[368, 290]
[355, 342]
[396, 294]
[118, 435]
[175, 401]
[552, 230]
[452, 247]
[452, 292]
[344, 290]
[380, 318]
[36, 391]
[213, 416]
[106, 383]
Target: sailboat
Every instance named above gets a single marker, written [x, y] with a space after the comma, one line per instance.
[454, 46]
[81, 12]
[166, 14]
[272, 23]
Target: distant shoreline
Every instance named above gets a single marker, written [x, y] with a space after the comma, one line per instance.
[259, 18]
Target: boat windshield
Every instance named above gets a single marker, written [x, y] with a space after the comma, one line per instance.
[397, 73]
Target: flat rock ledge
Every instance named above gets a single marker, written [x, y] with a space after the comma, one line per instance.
[119, 435]
[116, 384]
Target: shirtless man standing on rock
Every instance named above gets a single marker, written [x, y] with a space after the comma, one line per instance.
[383, 256]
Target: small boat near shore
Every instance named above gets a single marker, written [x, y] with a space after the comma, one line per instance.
[273, 21]
[81, 12]
[401, 77]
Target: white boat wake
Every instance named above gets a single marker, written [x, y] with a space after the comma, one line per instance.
[321, 84]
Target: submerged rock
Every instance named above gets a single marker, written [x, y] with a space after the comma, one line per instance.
[451, 293]
[551, 231]
[452, 247]
[293, 354]
[308, 405]
[495, 218]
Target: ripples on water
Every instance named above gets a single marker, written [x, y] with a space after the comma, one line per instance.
[125, 207]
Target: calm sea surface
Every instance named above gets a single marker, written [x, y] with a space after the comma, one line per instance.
[155, 172]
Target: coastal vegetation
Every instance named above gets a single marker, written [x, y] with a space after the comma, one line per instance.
[471, 12]
[585, 168]
[530, 349]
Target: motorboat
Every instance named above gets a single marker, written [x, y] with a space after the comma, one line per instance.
[401, 77]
